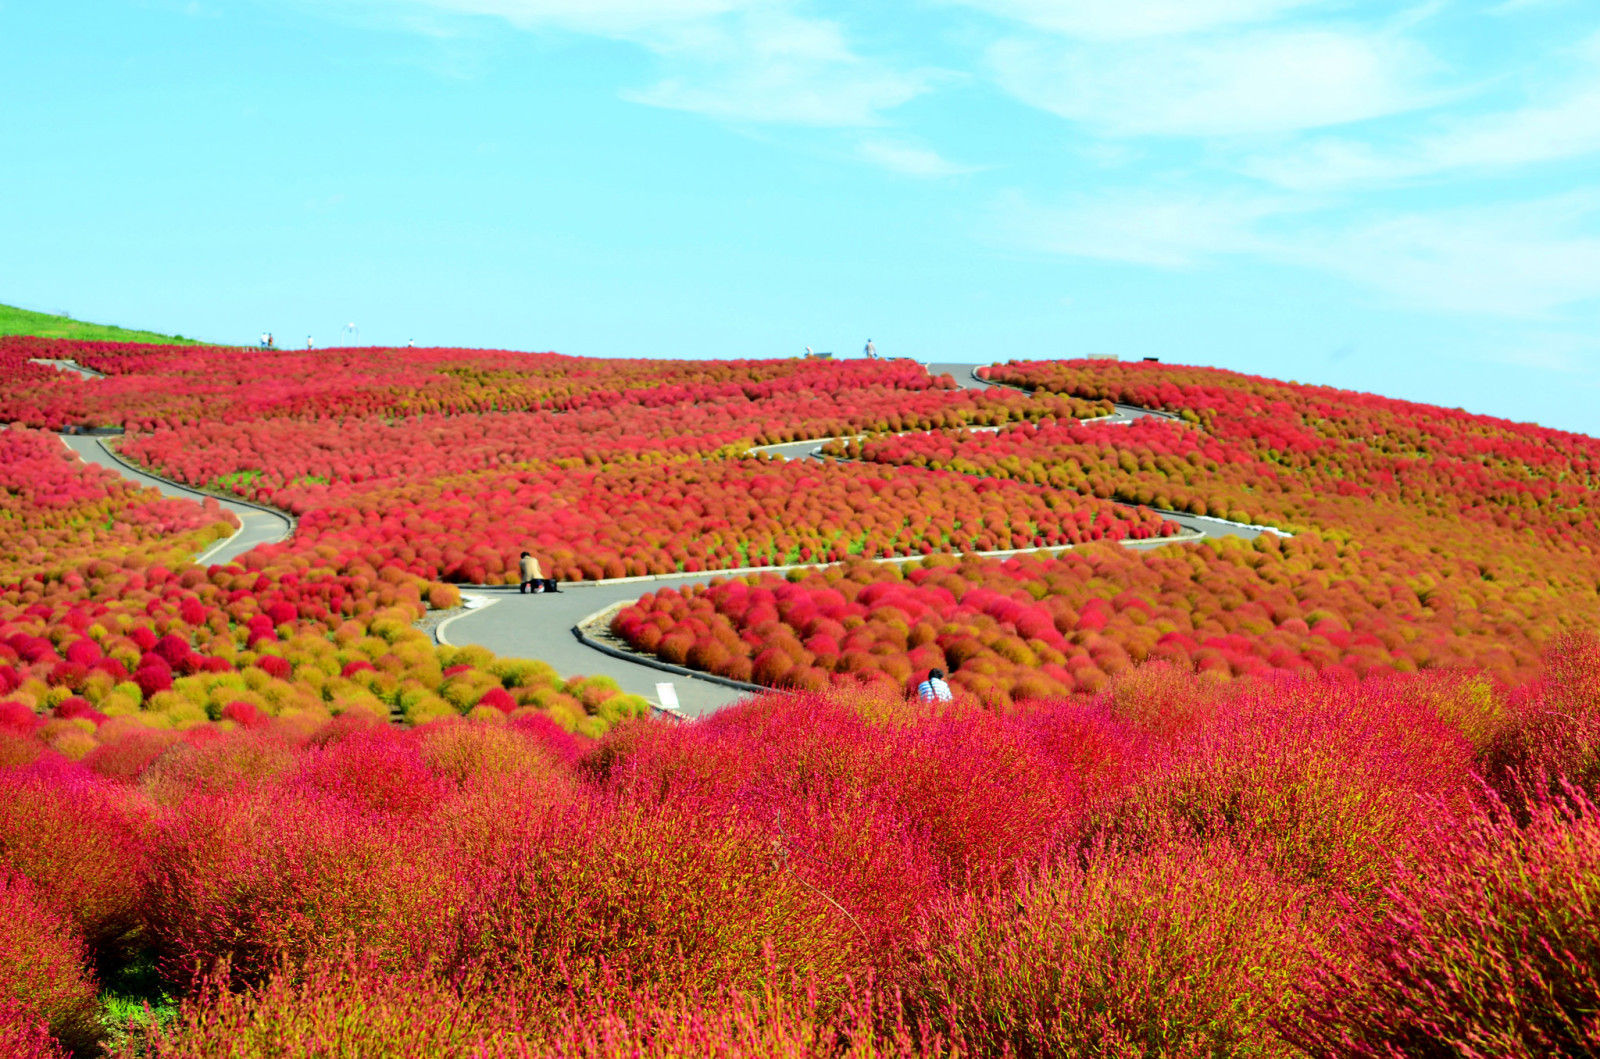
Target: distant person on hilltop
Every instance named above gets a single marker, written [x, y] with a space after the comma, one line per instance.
[533, 579]
[411, 343]
[871, 352]
[934, 689]
[808, 351]
[308, 342]
[265, 340]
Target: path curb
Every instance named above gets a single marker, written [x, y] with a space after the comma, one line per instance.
[438, 630]
[1186, 537]
[654, 663]
[292, 520]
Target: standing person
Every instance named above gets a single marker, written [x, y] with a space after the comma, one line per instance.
[411, 343]
[533, 579]
[308, 341]
[871, 352]
[934, 689]
[808, 352]
[263, 340]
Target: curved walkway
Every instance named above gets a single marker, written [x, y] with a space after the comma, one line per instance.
[257, 525]
[69, 365]
[542, 626]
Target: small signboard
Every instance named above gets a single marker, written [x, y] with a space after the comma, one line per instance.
[667, 695]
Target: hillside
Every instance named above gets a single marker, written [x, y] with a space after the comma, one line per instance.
[1266, 723]
[14, 321]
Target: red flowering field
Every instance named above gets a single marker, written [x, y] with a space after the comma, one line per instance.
[686, 516]
[1424, 538]
[154, 387]
[255, 458]
[55, 511]
[1295, 866]
[1323, 795]
[109, 632]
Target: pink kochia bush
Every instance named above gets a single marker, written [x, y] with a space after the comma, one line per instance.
[633, 518]
[1173, 866]
[1494, 950]
[44, 977]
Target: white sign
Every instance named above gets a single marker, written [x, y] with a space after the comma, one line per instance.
[667, 695]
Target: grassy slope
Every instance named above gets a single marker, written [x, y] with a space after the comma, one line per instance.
[22, 322]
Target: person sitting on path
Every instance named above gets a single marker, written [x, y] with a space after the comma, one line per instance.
[934, 689]
[533, 579]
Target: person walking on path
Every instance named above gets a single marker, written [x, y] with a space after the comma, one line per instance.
[871, 352]
[533, 579]
[934, 689]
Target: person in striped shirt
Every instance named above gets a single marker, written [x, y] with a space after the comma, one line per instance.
[934, 689]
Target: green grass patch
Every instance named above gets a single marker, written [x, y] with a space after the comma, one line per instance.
[228, 481]
[134, 997]
[14, 321]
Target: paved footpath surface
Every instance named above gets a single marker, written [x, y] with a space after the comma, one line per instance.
[257, 526]
[1126, 413]
[541, 626]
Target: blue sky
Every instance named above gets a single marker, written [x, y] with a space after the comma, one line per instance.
[1393, 198]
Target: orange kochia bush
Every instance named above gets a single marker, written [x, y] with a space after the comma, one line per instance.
[57, 511]
[152, 387]
[258, 458]
[1035, 627]
[1295, 443]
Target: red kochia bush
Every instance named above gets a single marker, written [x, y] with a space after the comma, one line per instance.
[82, 842]
[292, 1014]
[261, 877]
[1187, 949]
[43, 971]
[1554, 724]
[1329, 783]
[24, 1035]
[610, 899]
[884, 818]
[1493, 951]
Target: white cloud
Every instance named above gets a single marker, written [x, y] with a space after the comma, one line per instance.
[1523, 260]
[1125, 19]
[901, 157]
[1261, 81]
[1145, 228]
[1553, 129]
[1558, 352]
[737, 60]
[772, 66]
[623, 18]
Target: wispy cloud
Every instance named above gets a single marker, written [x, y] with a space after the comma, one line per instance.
[1527, 260]
[1563, 124]
[621, 18]
[910, 159]
[770, 65]
[735, 60]
[1104, 20]
[1172, 230]
[1260, 81]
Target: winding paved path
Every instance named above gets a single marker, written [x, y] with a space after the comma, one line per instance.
[69, 365]
[542, 626]
[256, 525]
